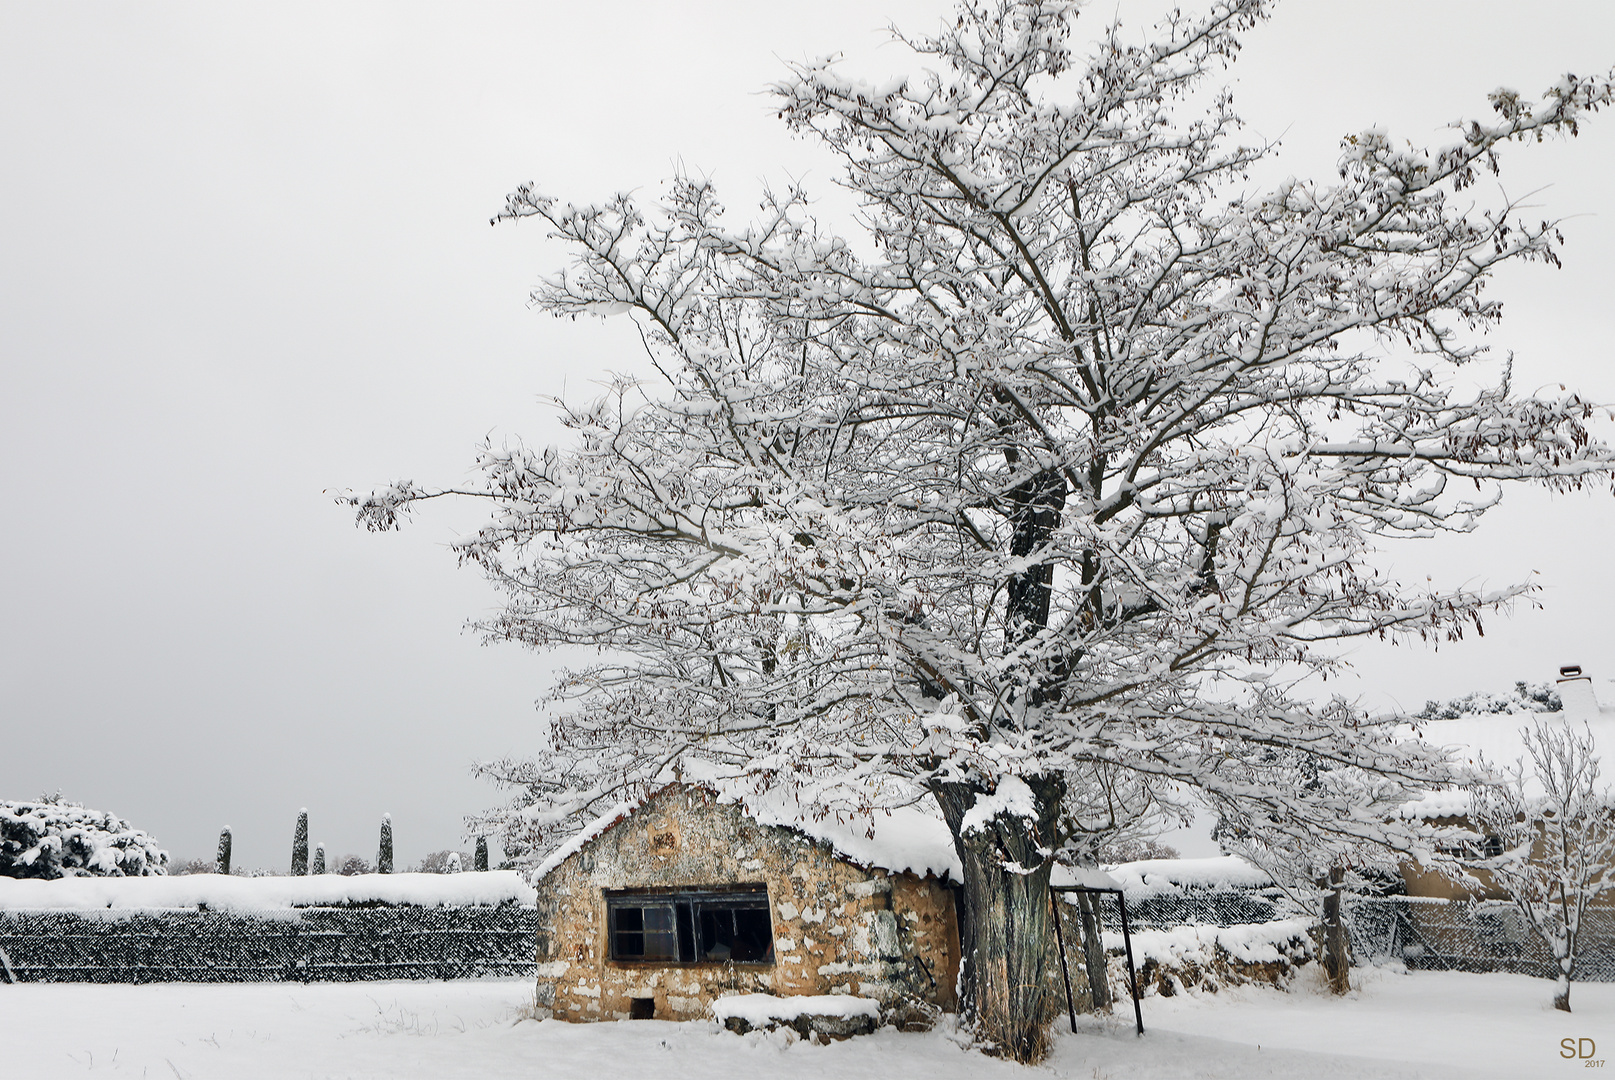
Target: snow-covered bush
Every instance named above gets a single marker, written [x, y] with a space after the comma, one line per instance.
[446, 861]
[349, 865]
[1526, 698]
[49, 837]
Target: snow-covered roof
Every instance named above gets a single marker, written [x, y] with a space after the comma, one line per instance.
[905, 838]
[221, 892]
[575, 844]
[1150, 877]
[1087, 877]
[1447, 802]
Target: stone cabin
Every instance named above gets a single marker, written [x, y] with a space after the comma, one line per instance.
[656, 910]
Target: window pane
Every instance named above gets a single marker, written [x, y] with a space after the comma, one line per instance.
[721, 926]
[741, 934]
[661, 933]
[686, 933]
[644, 933]
[754, 936]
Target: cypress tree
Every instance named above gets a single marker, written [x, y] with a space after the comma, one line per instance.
[319, 859]
[221, 863]
[384, 857]
[480, 860]
[300, 844]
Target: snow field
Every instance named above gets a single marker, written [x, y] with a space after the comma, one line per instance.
[1427, 1025]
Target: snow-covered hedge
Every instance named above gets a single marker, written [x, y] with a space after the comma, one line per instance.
[218, 892]
[50, 838]
[321, 944]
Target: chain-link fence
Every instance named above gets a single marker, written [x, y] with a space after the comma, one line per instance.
[1209, 907]
[347, 944]
[1456, 935]
[1424, 933]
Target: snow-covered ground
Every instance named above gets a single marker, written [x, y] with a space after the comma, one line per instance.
[1419, 1025]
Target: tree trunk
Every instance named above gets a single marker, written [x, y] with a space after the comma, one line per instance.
[1004, 920]
[1564, 959]
[1336, 941]
[1093, 951]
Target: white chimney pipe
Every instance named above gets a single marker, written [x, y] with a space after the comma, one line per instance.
[1576, 691]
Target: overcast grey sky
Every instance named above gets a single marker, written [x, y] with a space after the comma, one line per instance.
[245, 259]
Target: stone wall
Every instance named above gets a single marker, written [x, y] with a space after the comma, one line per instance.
[838, 928]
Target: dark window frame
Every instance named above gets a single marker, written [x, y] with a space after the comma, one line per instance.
[694, 915]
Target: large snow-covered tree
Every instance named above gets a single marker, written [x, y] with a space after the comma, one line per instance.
[1552, 827]
[1016, 497]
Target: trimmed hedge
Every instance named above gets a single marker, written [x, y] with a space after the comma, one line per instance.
[348, 944]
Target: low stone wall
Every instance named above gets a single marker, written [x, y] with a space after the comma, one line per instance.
[1208, 958]
[345, 944]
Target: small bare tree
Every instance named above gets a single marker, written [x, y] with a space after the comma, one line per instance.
[1554, 846]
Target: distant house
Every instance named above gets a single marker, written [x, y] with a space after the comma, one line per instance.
[1495, 738]
[656, 910]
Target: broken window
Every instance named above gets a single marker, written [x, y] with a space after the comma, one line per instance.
[701, 925]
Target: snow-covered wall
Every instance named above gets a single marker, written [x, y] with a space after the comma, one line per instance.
[1209, 957]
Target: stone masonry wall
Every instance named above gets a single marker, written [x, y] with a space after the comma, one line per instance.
[838, 928]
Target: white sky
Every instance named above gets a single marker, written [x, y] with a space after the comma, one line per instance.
[245, 258]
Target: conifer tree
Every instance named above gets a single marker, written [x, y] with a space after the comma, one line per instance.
[384, 857]
[319, 858]
[481, 857]
[300, 845]
[222, 861]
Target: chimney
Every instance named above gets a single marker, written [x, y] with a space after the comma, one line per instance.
[1576, 691]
